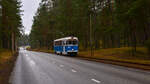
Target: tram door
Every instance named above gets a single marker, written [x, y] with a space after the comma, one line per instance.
[64, 44]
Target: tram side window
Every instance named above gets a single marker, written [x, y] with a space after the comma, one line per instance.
[69, 42]
[58, 43]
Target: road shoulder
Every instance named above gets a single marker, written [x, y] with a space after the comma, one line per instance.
[7, 61]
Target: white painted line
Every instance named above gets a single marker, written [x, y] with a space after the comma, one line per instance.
[97, 81]
[73, 70]
[61, 65]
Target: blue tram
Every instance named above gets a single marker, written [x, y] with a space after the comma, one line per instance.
[66, 46]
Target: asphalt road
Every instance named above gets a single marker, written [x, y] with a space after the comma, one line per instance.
[44, 68]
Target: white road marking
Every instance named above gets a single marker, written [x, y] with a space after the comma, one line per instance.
[31, 62]
[61, 65]
[97, 81]
[73, 70]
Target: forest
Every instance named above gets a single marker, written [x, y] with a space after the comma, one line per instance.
[10, 31]
[109, 31]
[10, 24]
[108, 23]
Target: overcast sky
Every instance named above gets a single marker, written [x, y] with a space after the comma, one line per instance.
[30, 8]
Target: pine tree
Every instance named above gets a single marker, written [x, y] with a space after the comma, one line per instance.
[11, 23]
[114, 23]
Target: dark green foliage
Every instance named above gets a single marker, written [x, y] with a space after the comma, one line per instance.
[0, 24]
[11, 25]
[115, 23]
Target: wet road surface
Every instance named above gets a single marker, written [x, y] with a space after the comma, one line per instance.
[43, 68]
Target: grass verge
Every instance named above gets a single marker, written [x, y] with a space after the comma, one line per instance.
[120, 56]
[6, 65]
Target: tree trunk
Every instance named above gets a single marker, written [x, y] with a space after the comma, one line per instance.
[16, 45]
[13, 42]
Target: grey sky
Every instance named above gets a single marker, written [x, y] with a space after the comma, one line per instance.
[30, 8]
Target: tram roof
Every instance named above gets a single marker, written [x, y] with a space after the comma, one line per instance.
[66, 38]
